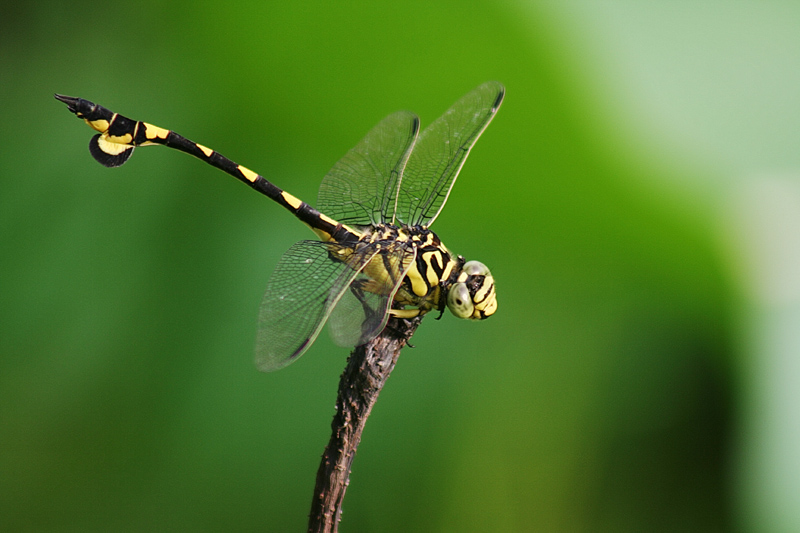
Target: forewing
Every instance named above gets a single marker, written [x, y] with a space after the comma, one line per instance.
[440, 152]
[360, 185]
[363, 310]
[306, 285]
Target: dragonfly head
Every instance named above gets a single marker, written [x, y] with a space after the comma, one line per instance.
[472, 294]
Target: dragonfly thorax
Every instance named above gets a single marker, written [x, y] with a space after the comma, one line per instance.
[434, 277]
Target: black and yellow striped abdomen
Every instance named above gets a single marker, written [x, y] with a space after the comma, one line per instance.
[118, 136]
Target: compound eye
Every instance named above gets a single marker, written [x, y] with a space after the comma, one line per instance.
[475, 268]
[459, 301]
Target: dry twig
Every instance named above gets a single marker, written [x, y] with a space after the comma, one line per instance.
[367, 370]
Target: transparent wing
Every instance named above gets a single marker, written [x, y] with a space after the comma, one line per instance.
[362, 311]
[440, 153]
[360, 188]
[305, 287]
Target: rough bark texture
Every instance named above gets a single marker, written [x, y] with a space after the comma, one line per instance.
[367, 370]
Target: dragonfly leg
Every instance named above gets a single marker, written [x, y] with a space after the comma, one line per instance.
[358, 289]
[405, 313]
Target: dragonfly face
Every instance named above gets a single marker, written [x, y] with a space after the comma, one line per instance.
[375, 256]
[472, 296]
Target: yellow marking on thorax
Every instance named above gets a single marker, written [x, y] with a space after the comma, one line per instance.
[448, 269]
[207, 151]
[418, 285]
[248, 174]
[376, 270]
[154, 132]
[431, 274]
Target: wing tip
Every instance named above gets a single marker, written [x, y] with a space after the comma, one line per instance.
[500, 90]
[266, 362]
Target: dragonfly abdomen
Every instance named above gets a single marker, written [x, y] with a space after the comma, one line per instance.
[119, 135]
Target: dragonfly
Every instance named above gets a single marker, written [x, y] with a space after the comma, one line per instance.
[375, 255]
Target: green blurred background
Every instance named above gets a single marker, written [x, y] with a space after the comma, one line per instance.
[637, 199]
